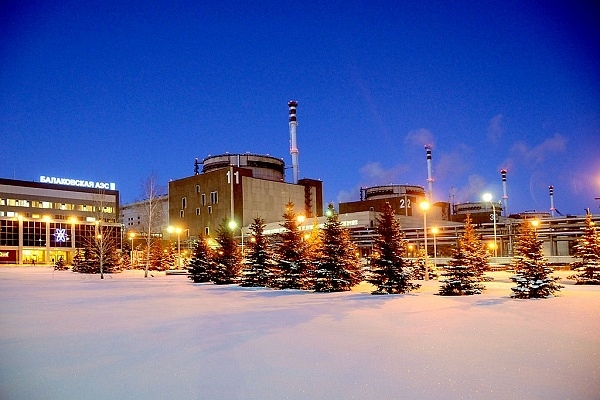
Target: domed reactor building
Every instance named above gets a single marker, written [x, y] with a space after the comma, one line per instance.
[241, 187]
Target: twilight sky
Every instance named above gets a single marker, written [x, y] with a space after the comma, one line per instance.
[116, 91]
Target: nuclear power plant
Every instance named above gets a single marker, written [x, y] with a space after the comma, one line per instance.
[240, 187]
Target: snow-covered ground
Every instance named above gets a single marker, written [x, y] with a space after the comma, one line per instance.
[70, 336]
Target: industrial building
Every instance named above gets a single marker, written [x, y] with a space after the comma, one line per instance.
[42, 222]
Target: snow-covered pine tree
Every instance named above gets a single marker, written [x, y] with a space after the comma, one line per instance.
[474, 250]
[170, 256]
[418, 268]
[201, 264]
[532, 275]
[313, 250]
[459, 278]
[465, 269]
[60, 264]
[588, 249]
[157, 257]
[390, 271]
[290, 254]
[228, 258]
[259, 265]
[338, 268]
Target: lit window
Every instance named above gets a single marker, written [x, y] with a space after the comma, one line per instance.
[214, 197]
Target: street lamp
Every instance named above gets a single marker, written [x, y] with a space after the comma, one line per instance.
[177, 230]
[233, 226]
[131, 236]
[424, 207]
[487, 197]
[435, 231]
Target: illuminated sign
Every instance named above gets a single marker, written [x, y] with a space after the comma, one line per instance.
[77, 182]
[3, 254]
[60, 235]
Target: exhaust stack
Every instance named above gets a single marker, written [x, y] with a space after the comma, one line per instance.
[505, 193]
[293, 145]
[429, 173]
[552, 209]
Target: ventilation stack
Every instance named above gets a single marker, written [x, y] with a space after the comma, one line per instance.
[552, 209]
[429, 173]
[505, 194]
[293, 145]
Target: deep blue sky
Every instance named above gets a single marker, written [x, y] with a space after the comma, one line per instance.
[118, 90]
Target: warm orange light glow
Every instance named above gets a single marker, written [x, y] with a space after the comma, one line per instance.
[300, 218]
[424, 205]
[435, 230]
[535, 223]
[131, 235]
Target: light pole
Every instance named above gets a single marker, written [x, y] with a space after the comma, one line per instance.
[435, 231]
[487, 197]
[233, 226]
[131, 236]
[424, 207]
[177, 230]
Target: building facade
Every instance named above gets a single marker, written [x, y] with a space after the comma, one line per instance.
[43, 222]
[238, 187]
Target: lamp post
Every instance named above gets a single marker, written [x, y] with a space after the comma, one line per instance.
[131, 236]
[233, 226]
[424, 207]
[177, 230]
[487, 197]
[435, 231]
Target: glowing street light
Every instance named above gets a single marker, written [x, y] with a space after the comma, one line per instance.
[487, 197]
[131, 236]
[424, 207]
[177, 230]
[233, 226]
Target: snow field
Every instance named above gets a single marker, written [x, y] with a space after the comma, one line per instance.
[71, 336]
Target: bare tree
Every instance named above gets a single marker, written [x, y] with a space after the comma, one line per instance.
[151, 214]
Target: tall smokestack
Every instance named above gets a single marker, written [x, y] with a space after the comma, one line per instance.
[505, 193]
[293, 145]
[429, 172]
[552, 209]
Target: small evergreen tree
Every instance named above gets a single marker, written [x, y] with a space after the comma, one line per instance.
[423, 263]
[228, 259]
[157, 259]
[459, 278]
[588, 249]
[338, 268]
[390, 271]
[474, 250]
[465, 269]
[290, 254]
[60, 264]
[259, 265]
[313, 247]
[532, 273]
[125, 261]
[170, 257]
[202, 264]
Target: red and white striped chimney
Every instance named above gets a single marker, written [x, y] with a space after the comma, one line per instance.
[505, 193]
[429, 173]
[293, 145]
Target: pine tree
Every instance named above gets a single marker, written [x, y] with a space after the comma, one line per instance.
[465, 269]
[423, 263]
[532, 273]
[170, 256]
[390, 271]
[157, 259]
[259, 266]
[459, 278]
[588, 249]
[60, 265]
[338, 268]
[202, 263]
[474, 250]
[228, 259]
[313, 250]
[291, 257]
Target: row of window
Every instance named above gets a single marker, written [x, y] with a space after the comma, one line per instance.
[51, 205]
[214, 199]
[35, 233]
